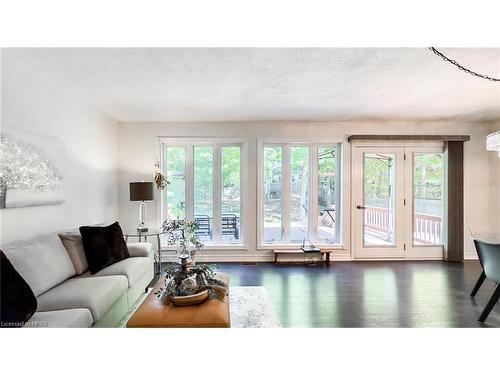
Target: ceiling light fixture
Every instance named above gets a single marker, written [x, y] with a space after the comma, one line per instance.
[436, 52]
[493, 142]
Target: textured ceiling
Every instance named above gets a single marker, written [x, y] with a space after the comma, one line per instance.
[302, 84]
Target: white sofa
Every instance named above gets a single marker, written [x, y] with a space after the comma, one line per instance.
[67, 300]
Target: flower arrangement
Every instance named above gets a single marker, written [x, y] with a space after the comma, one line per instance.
[181, 281]
[182, 233]
[186, 279]
[160, 179]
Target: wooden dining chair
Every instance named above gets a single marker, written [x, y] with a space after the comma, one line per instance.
[489, 256]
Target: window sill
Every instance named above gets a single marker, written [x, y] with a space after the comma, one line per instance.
[294, 246]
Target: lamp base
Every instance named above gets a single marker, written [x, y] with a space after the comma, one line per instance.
[142, 230]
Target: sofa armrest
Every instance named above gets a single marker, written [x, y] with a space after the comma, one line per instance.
[140, 249]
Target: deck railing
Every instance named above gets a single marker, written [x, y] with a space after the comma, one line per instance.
[426, 228]
[377, 219]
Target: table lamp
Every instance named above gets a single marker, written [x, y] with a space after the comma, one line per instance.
[141, 192]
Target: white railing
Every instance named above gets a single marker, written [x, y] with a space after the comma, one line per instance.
[426, 228]
[377, 219]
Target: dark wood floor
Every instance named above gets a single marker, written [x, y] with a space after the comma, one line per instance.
[371, 294]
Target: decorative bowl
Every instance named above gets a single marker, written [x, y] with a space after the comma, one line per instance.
[193, 299]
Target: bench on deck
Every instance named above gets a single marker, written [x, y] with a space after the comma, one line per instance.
[325, 252]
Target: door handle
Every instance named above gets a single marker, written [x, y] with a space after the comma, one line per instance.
[359, 207]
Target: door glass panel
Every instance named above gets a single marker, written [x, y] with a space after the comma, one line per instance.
[273, 205]
[299, 210]
[175, 195]
[231, 193]
[203, 160]
[379, 202]
[427, 199]
[327, 205]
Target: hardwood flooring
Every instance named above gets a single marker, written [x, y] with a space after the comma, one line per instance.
[371, 294]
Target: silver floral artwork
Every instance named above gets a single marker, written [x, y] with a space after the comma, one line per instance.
[28, 172]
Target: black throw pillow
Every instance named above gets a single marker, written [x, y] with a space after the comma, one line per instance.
[103, 246]
[17, 301]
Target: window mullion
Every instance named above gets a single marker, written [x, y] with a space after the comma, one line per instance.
[217, 194]
[286, 197]
[189, 186]
[313, 193]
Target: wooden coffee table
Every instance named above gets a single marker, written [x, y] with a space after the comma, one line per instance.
[153, 314]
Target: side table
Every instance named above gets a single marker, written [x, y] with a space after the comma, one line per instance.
[145, 235]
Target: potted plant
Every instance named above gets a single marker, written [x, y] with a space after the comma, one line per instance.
[182, 234]
[186, 286]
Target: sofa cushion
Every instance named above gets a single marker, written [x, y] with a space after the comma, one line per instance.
[43, 262]
[72, 318]
[103, 246]
[17, 301]
[98, 294]
[132, 268]
[74, 246]
[140, 249]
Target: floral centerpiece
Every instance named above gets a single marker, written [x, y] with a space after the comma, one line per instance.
[182, 233]
[160, 179]
[190, 285]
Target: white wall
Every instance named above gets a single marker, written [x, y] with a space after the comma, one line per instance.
[91, 143]
[139, 146]
[495, 185]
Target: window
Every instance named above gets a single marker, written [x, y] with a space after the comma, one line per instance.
[328, 195]
[273, 208]
[203, 163]
[427, 199]
[231, 193]
[299, 193]
[205, 186]
[175, 196]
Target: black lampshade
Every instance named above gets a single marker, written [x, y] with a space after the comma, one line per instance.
[141, 191]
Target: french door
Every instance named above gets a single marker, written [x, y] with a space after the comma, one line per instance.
[398, 200]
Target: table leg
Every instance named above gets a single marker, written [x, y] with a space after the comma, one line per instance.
[159, 253]
[327, 259]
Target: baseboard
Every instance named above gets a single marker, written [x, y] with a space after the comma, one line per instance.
[264, 257]
[248, 258]
[470, 256]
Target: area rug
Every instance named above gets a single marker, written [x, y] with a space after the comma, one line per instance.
[250, 307]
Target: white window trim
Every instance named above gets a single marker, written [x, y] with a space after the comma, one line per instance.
[217, 143]
[313, 173]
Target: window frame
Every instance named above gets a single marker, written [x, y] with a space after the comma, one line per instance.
[189, 143]
[313, 145]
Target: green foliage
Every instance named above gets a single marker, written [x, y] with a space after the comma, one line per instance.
[182, 233]
[203, 179]
[175, 173]
[377, 170]
[231, 161]
[428, 176]
[203, 165]
[205, 278]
